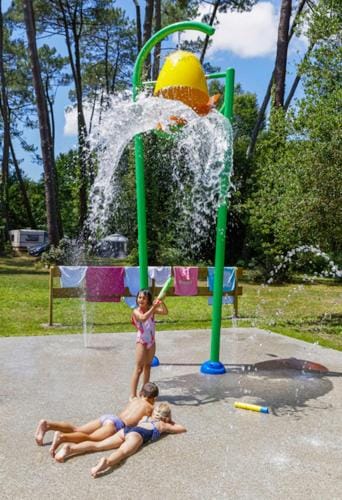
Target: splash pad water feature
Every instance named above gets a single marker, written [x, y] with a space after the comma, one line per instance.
[206, 141]
[213, 365]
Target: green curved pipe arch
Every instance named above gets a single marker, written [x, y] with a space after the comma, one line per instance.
[158, 37]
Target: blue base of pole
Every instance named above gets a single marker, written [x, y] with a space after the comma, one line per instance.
[155, 361]
[213, 368]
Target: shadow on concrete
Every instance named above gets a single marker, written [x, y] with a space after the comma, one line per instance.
[283, 385]
[291, 364]
[277, 364]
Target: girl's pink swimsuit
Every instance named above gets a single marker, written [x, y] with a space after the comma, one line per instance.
[146, 331]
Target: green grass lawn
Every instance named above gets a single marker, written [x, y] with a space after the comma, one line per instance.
[311, 312]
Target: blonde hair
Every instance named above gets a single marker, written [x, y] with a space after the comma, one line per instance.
[163, 412]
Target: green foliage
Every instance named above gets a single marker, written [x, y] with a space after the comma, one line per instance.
[296, 198]
[67, 169]
[5, 247]
[177, 10]
[245, 112]
[57, 255]
[170, 254]
[108, 49]
[17, 212]
[239, 5]
[53, 256]
[161, 195]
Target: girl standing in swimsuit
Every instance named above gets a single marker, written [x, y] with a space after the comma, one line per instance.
[143, 320]
[127, 441]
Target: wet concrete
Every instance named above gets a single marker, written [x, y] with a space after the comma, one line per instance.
[294, 452]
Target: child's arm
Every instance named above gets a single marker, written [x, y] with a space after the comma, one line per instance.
[161, 307]
[172, 428]
[144, 316]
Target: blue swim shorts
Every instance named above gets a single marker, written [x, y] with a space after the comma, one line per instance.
[119, 424]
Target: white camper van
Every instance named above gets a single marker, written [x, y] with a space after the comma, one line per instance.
[23, 239]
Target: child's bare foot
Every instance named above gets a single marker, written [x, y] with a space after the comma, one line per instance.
[40, 432]
[101, 466]
[132, 398]
[55, 443]
[63, 453]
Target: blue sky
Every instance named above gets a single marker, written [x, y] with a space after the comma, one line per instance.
[245, 41]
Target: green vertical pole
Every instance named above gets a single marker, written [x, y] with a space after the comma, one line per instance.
[221, 231]
[138, 140]
[229, 94]
[213, 366]
[141, 209]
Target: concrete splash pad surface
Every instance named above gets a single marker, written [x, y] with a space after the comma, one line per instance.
[294, 452]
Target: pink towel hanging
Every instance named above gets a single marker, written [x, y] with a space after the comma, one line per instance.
[105, 284]
[186, 280]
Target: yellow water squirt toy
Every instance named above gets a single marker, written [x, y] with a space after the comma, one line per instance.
[182, 79]
[247, 406]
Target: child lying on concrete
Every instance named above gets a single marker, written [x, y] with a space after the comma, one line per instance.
[103, 427]
[127, 441]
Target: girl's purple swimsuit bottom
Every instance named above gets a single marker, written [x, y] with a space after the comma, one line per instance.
[146, 434]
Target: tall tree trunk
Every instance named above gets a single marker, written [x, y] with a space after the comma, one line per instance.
[116, 68]
[281, 57]
[211, 22]
[267, 97]
[147, 35]
[52, 115]
[93, 110]
[75, 63]
[26, 201]
[102, 99]
[6, 133]
[49, 102]
[106, 58]
[138, 21]
[157, 27]
[44, 127]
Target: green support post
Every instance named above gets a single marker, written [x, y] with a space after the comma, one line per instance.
[214, 366]
[138, 140]
[141, 209]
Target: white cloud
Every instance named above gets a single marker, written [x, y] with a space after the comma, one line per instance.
[70, 118]
[246, 34]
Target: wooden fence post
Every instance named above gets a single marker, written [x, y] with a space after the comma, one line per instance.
[51, 296]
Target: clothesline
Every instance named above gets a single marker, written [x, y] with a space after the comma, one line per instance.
[96, 284]
[108, 283]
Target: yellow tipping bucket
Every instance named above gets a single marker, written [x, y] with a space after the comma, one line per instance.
[182, 79]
